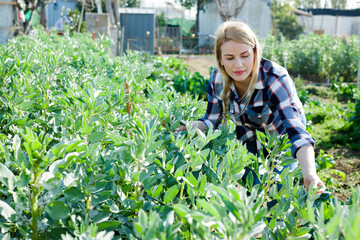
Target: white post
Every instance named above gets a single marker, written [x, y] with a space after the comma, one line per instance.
[181, 30]
[283, 48]
[358, 73]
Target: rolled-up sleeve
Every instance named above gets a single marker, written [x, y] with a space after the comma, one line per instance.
[213, 115]
[282, 94]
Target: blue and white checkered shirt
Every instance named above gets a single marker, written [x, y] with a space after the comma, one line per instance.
[274, 105]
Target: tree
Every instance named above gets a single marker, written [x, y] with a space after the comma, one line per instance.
[338, 4]
[307, 3]
[227, 10]
[188, 4]
[284, 20]
[130, 3]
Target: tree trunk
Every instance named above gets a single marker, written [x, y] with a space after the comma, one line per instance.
[109, 10]
[197, 16]
[116, 12]
[28, 23]
[98, 6]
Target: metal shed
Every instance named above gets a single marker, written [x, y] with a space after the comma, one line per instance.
[53, 11]
[137, 26]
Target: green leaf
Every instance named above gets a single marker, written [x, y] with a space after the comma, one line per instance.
[213, 135]
[181, 209]
[151, 158]
[57, 210]
[72, 145]
[310, 211]
[153, 146]
[74, 194]
[96, 137]
[55, 233]
[158, 189]
[334, 223]
[257, 228]
[86, 129]
[181, 170]
[6, 211]
[209, 208]
[143, 218]
[171, 193]
[108, 225]
[18, 153]
[190, 177]
[7, 177]
[99, 198]
[302, 231]
[202, 184]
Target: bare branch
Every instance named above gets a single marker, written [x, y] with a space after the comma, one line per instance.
[226, 12]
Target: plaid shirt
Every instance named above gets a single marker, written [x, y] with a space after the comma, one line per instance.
[274, 105]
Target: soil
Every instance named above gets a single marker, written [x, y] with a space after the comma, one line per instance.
[199, 64]
[347, 161]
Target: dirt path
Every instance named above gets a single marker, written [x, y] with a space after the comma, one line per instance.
[200, 64]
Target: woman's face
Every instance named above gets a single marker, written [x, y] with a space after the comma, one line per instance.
[238, 60]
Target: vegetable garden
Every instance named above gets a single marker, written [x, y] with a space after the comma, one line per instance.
[75, 164]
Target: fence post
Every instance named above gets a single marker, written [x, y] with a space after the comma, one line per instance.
[358, 79]
[128, 98]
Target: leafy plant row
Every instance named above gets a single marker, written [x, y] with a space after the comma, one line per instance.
[321, 56]
[75, 165]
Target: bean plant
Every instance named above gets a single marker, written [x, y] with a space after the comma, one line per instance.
[319, 56]
[75, 164]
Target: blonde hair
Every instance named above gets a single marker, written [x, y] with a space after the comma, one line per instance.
[241, 33]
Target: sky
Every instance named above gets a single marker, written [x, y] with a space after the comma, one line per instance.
[168, 5]
[353, 4]
[190, 14]
[156, 3]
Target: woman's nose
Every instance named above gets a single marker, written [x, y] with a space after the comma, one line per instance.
[238, 62]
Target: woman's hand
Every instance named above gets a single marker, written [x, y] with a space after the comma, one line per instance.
[316, 182]
[180, 128]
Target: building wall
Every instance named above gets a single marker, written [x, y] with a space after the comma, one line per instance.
[333, 25]
[256, 13]
[8, 15]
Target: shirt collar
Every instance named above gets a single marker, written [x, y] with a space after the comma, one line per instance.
[259, 82]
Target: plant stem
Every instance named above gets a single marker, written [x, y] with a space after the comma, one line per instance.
[182, 191]
[87, 207]
[269, 181]
[34, 207]
[183, 186]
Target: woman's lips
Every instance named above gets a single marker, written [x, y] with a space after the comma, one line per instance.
[239, 72]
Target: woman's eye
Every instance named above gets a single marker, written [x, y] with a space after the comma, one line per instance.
[229, 58]
[245, 56]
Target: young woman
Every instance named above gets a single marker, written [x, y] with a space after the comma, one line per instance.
[256, 94]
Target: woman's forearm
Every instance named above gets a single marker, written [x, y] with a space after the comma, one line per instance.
[306, 158]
